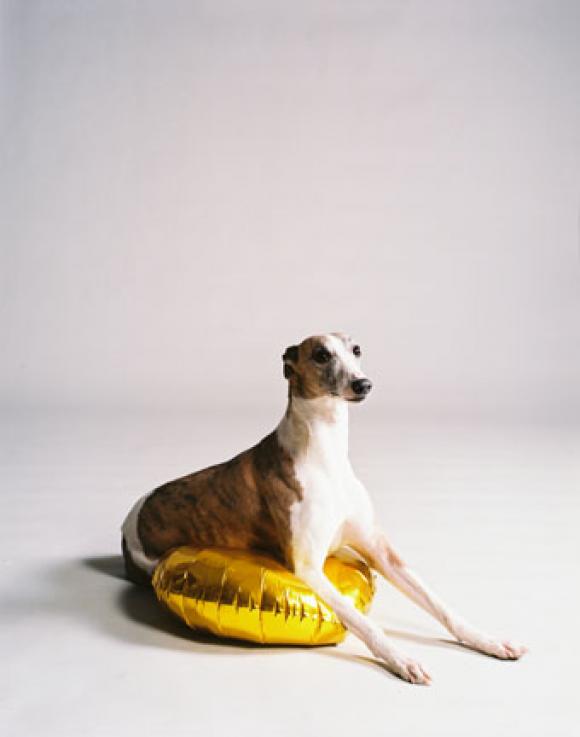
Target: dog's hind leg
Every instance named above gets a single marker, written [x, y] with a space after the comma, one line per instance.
[134, 573]
[139, 566]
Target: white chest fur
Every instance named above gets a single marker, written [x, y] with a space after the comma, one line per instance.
[315, 433]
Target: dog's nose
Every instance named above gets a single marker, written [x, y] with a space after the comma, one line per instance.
[361, 386]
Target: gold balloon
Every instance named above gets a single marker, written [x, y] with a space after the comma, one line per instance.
[244, 595]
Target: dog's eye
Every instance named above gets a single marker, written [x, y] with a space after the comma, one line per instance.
[356, 350]
[321, 355]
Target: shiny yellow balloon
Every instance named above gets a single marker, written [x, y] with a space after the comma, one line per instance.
[244, 595]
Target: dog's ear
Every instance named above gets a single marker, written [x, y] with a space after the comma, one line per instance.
[289, 357]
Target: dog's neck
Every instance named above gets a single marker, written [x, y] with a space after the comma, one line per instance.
[315, 427]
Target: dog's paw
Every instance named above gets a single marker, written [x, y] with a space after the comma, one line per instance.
[503, 649]
[411, 671]
[406, 668]
[507, 650]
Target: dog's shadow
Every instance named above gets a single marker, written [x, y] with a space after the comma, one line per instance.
[94, 592]
[137, 616]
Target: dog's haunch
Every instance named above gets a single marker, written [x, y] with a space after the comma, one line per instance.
[247, 596]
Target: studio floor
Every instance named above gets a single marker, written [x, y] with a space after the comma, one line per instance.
[487, 514]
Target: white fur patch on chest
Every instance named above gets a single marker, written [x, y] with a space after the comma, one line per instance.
[319, 448]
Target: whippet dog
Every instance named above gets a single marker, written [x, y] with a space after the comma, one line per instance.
[295, 496]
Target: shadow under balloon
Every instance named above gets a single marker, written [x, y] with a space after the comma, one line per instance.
[140, 618]
[144, 621]
[93, 592]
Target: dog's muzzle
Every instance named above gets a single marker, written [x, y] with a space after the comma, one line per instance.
[361, 387]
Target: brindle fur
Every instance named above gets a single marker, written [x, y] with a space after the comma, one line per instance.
[241, 503]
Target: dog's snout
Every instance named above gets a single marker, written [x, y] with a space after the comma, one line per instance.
[361, 386]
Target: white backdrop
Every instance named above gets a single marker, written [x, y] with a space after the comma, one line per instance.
[187, 187]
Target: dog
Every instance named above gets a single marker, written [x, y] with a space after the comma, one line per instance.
[295, 497]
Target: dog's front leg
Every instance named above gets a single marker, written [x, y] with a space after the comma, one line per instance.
[360, 625]
[381, 555]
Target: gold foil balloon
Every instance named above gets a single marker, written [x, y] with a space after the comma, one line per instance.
[248, 596]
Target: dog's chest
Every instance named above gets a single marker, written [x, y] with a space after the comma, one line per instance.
[325, 461]
[325, 475]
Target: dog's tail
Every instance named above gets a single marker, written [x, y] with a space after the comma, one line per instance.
[138, 565]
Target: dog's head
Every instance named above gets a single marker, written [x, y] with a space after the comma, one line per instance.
[326, 365]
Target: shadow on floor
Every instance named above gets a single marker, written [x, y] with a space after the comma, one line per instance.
[94, 592]
[139, 605]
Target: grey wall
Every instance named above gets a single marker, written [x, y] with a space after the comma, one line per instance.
[187, 187]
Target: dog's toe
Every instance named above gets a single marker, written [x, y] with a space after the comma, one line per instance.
[513, 651]
[413, 672]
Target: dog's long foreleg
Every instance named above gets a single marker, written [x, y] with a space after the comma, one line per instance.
[360, 625]
[381, 556]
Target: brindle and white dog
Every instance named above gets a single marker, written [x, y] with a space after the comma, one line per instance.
[295, 496]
